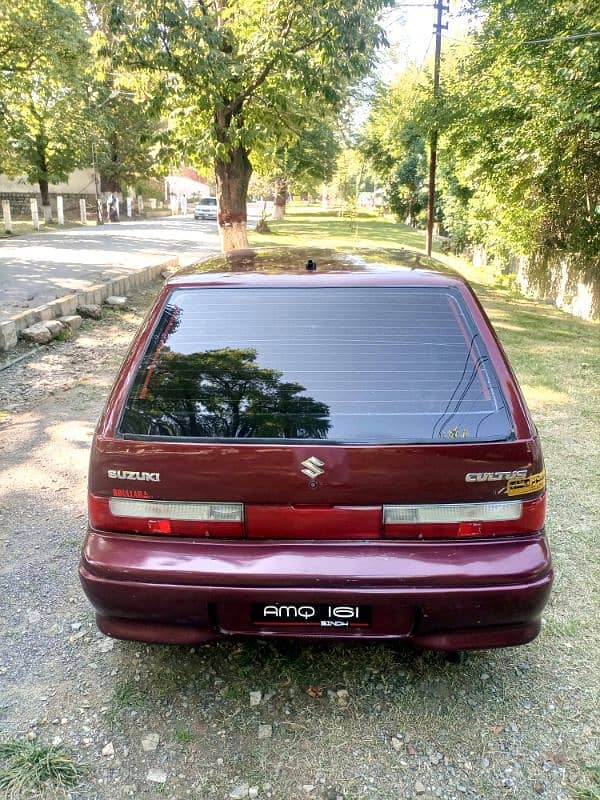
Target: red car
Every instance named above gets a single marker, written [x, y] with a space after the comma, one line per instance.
[310, 445]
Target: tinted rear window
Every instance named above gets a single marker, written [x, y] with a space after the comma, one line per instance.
[208, 201]
[352, 365]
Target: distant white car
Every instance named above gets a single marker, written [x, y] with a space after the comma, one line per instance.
[206, 208]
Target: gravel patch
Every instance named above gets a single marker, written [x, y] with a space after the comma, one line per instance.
[245, 718]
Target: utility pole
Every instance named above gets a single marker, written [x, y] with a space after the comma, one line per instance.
[438, 27]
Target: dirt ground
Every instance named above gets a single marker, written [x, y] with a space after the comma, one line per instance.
[244, 718]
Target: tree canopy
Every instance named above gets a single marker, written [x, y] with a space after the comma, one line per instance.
[394, 141]
[43, 58]
[519, 116]
[232, 69]
[529, 125]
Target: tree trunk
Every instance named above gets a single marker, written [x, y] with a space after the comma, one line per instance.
[44, 191]
[232, 178]
[42, 165]
[281, 192]
[111, 179]
[46, 207]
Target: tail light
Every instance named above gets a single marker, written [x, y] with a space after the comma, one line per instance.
[226, 520]
[128, 515]
[464, 520]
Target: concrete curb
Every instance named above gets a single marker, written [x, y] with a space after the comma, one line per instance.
[67, 305]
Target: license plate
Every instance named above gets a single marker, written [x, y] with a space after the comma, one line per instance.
[322, 615]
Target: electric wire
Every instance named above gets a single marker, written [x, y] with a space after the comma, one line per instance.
[570, 37]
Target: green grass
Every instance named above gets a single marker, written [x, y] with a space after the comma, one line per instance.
[378, 235]
[125, 695]
[65, 335]
[303, 225]
[33, 769]
[592, 791]
[184, 735]
[21, 226]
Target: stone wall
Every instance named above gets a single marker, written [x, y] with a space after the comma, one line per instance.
[561, 288]
[20, 203]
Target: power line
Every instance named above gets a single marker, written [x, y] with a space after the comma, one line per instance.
[570, 37]
[589, 35]
[422, 64]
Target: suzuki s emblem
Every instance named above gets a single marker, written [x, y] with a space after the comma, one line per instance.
[312, 467]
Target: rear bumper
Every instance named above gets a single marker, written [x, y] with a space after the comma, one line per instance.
[445, 596]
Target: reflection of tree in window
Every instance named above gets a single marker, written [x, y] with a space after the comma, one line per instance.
[222, 394]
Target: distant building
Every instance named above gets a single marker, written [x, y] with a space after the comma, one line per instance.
[374, 199]
[188, 182]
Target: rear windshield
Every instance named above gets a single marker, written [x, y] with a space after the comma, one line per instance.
[208, 201]
[347, 365]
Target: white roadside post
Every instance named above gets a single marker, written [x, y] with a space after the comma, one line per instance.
[8, 226]
[153, 203]
[183, 202]
[82, 211]
[140, 204]
[129, 207]
[117, 208]
[60, 211]
[35, 214]
[174, 204]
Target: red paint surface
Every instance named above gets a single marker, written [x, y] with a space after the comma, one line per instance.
[442, 595]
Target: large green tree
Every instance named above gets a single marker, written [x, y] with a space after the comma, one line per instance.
[394, 142]
[231, 68]
[523, 126]
[519, 121]
[125, 122]
[304, 160]
[43, 99]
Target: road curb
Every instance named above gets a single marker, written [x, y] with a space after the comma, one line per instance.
[67, 305]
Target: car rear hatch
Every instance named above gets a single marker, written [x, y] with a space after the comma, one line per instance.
[317, 412]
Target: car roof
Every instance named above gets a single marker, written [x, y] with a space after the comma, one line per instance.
[287, 267]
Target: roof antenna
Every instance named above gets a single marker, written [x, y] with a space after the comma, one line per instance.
[311, 265]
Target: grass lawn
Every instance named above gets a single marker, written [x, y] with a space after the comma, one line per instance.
[25, 226]
[307, 225]
[22, 226]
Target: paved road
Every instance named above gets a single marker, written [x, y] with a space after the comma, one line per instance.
[39, 268]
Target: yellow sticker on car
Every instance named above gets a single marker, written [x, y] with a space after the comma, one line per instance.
[529, 485]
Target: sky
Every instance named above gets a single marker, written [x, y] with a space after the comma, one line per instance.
[410, 33]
